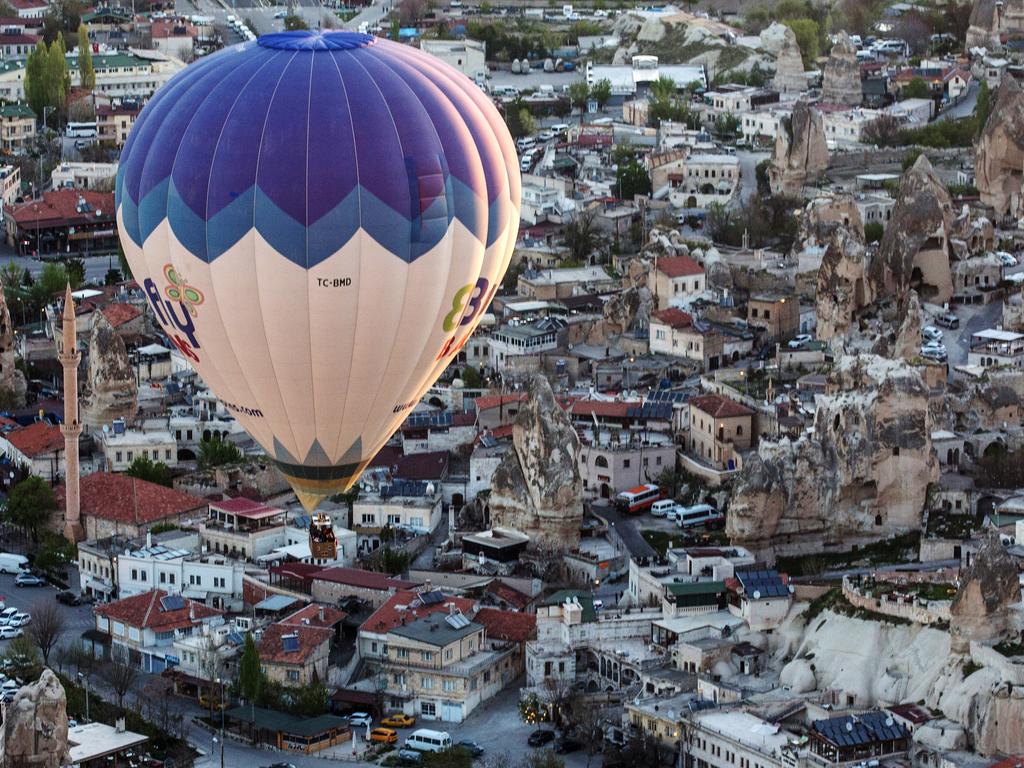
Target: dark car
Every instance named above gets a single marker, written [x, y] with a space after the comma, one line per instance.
[540, 737]
[67, 597]
[470, 746]
[410, 757]
[279, 765]
[565, 745]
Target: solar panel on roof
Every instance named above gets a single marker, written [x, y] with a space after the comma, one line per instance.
[290, 642]
[172, 602]
[456, 621]
[433, 597]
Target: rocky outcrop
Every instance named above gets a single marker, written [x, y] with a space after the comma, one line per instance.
[861, 474]
[778, 39]
[536, 488]
[111, 391]
[914, 252]
[627, 309]
[841, 79]
[999, 152]
[1013, 312]
[800, 156]
[981, 609]
[843, 287]
[35, 729]
[11, 379]
[991, 19]
[908, 337]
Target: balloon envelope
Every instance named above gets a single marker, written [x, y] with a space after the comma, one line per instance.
[319, 221]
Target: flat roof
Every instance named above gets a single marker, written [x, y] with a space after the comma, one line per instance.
[747, 729]
[275, 603]
[93, 741]
[998, 335]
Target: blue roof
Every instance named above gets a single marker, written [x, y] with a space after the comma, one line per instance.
[395, 144]
[275, 603]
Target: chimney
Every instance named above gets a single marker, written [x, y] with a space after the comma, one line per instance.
[320, 613]
[119, 725]
[426, 584]
[149, 539]
[191, 612]
[451, 609]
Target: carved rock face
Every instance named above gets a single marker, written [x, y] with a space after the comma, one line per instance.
[991, 587]
[999, 153]
[35, 732]
[841, 79]
[111, 391]
[801, 153]
[10, 377]
[537, 488]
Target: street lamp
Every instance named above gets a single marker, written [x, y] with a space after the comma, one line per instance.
[85, 680]
[220, 684]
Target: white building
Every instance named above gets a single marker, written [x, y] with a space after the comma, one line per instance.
[846, 126]
[643, 71]
[70, 175]
[211, 579]
[122, 446]
[482, 464]
[993, 347]
[512, 341]
[467, 56]
[875, 208]
[10, 183]
[763, 124]
[413, 506]
[724, 738]
[703, 179]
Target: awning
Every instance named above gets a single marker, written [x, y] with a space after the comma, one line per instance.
[91, 234]
[195, 594]
[275, 603]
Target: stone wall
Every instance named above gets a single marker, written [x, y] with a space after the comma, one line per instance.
[934, 611]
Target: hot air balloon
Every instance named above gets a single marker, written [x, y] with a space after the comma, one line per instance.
[318, 221]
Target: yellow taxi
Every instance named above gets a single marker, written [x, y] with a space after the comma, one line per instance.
[383, 736]
[399, 721]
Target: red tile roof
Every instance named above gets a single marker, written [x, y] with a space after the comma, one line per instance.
[27, 4]
[674, 317]
[145, 612]
[423, 466]
[719, 407]
[18, 39]
[317, 615]
[247, 508]
[679, 266]
[119, 313]
[602, 409]
[387, 457]
[355, 577]
[507, 625]
[36, 439]
[271, 646]
[60, 208]
[508, 594]
[403, 603]
[165, 28]
[493, 401]
[130, 500]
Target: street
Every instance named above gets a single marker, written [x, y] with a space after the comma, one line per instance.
[95, 266]
[966, 107]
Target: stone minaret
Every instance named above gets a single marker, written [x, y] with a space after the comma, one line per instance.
[72, 426]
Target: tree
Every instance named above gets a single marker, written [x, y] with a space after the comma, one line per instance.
[113, 277]
[250, 673]
[145, 468]
[30, 505]
[24, 660]
[411, 12]
[120, 674]
[86, 72]
[46, 628]
[581, 236]
[916, 89]
[873, 231]
[579, 93]
[58, 79]
[75, 270]
[602, 92]
[291, 22]
[471, 377]
[35, 79]
[519, 120]
[631, 179]
[883, 131]
[11, 276]
[806, 33]
[983, 106]
[727, 126]
[215, 453]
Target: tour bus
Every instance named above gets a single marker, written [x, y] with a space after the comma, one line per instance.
[426, 740]
[81, 130]
[700, 514]
[637, 499]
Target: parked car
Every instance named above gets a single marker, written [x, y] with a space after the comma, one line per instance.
[9, 633]
[399, 720]
[470, 746]
[934, 353]
[360, 719]
[20, 620]
[9, 685]
[383, 736]
[540, 737]
[565, 745]
[1006, 259]
[67, 597]
[546, 135]
[280, 765]
[28, 580]
[948, 320]
[800, 340]
[931, 333]
[7, 613]
[410, 756]
[280, 14]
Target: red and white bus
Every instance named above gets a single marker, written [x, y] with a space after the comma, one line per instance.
[637, 499]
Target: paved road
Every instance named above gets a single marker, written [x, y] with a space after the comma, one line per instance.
[95, 266]
[973, 318]
[370, 15]
[748, 173]
[30, 599]
[966, 107]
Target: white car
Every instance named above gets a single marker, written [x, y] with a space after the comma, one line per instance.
[10, 685]
[931, 333]
[934, 353]
[545, 135]
[1006, 259]
[20, 620]
[801, 340]
[360, 719]
[7, 633]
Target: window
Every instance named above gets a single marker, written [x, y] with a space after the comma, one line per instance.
[117, 456]
[133, 633]
[135, 574]
[739, 430]
[427, 709]
[293, 675]
[163, 577]
[130, 455]
[171, 576]
[142, 576]
[402, 653]
[448, 686]
[103, 623]
[399, 678]
[448, 654]
[426, 683]
[167, 454]
[427, 655]
[118, 628]
[625, 463]
[487, 676]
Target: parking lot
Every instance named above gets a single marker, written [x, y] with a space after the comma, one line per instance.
[77, 618]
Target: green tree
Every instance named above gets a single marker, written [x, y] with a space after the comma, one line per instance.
[873, 231]
[35, 78]
[11, 276]
[983, 106]
[471, 377]
[631, 179]
[112, 277]
[295, 22]
[75, 270]
[215, 453]
[51, 282]
[519, 120]
[806, 33]
[579, 93]
[145, 468]
[727, 126]
[58, 79]
[86, 71]
[30, 506]
[917, 88]
[311, 701]
[602, 92]
[250, 673]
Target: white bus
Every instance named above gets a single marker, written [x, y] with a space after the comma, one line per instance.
[81, 131]
[638, 499]
[426, 740]
[700, 514]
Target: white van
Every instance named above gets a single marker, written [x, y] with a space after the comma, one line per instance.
[426, 740]
[13, 563]
[526, 143]
[663, 508]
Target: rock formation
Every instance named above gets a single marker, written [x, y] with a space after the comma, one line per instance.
[801, 153]
[35, 729]
[11, 379]
[861, 474]
[981, 609]
[536, 488]
[999, 152]
[908, 336]
[914, 252]
[627, 309]
[111, 390]
[991, 19]
[1013, 312]
[843, 288]
[779, 40]
[841, 80]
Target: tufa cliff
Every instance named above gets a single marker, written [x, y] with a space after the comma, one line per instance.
[35, 729]
[841, 80]
[111, 390]
[800, 156]
[990, 591]
[999, 152]
[11, 379]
